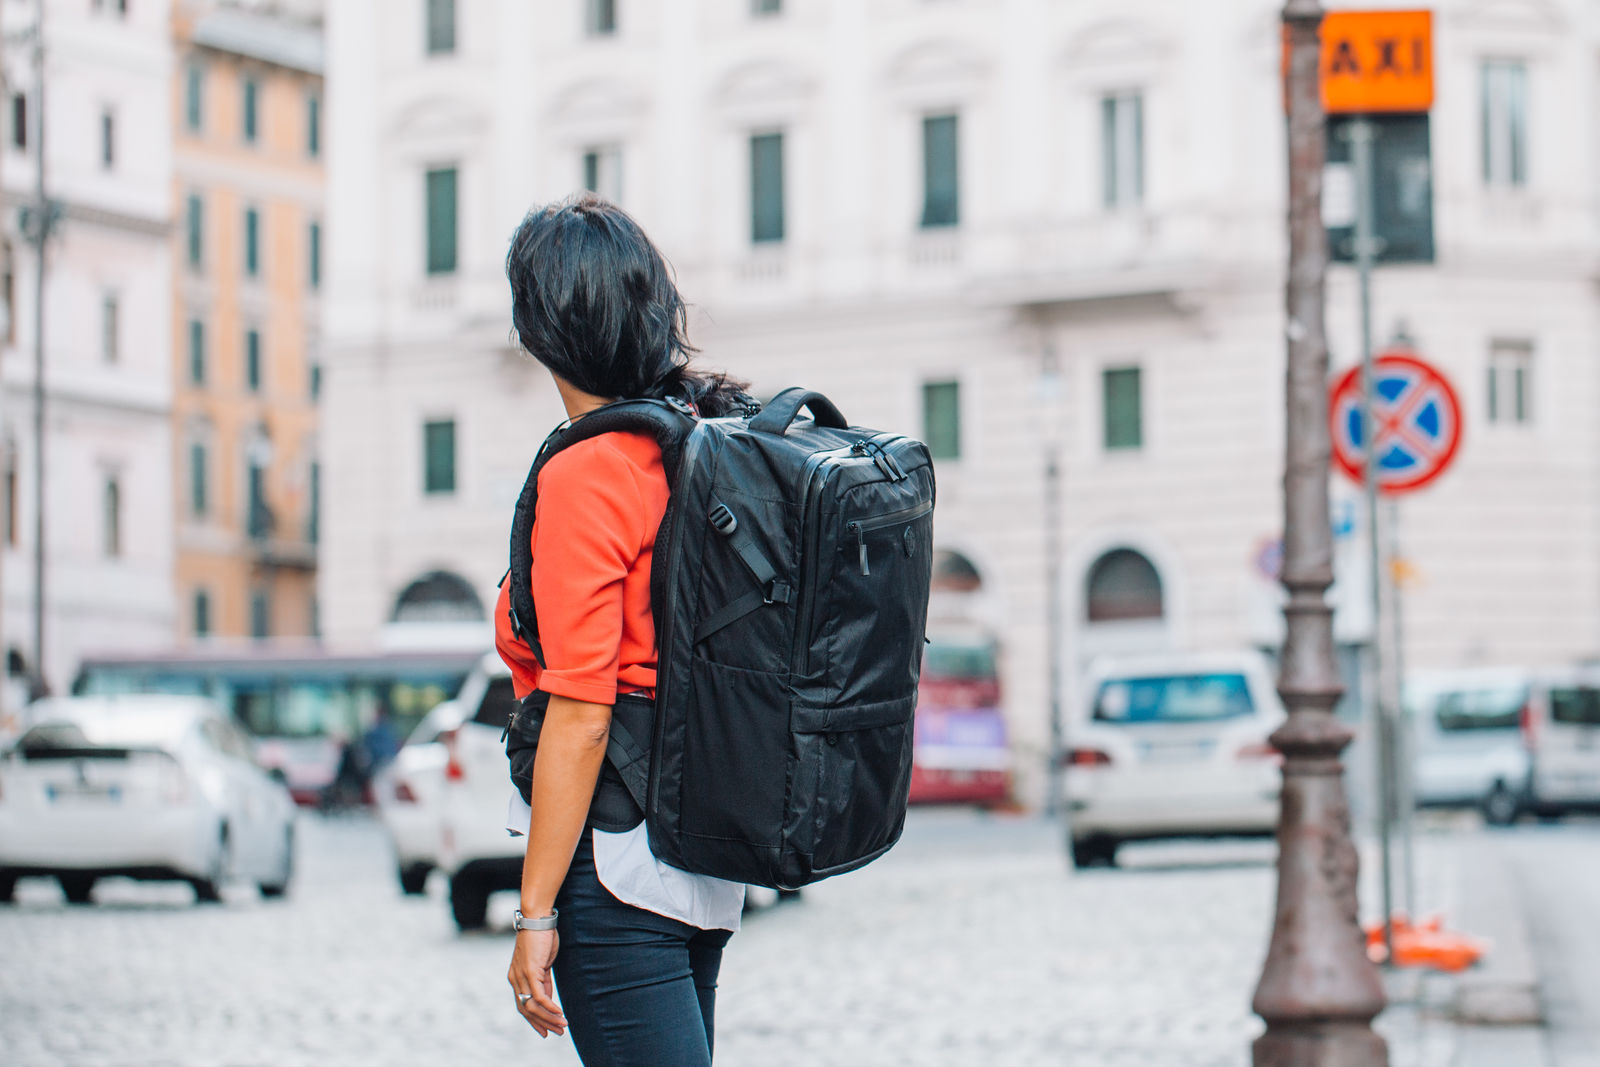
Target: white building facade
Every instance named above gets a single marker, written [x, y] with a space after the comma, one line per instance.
[1016, 227]
[107, 489]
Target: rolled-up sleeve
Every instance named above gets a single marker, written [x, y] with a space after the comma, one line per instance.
[588, 533]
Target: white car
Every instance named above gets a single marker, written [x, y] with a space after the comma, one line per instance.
[409, 792]
[150, 787]
[1172, 746]
[1507, 740]
[474, 848]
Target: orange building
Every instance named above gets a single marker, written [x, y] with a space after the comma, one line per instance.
[248, 198]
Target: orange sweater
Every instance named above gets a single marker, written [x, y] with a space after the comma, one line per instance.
[594, 533]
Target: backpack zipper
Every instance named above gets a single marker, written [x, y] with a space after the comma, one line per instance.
[895, 518]
[691, 447]
[816, 474]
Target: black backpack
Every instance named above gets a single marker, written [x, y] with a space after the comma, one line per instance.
[790, 592]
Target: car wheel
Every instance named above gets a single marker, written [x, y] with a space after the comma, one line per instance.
[208, 890]
[8, 888]
[414, 879]
[275, 889]
[1501, 806]
[77, 887]
[469, 903]
[1096, 851]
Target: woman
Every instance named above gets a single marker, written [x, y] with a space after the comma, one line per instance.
[632, 944]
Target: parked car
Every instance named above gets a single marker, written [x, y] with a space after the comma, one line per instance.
[409, 791]
[475, 849]
[1508, 741]
[149, 787]
[1172, 746]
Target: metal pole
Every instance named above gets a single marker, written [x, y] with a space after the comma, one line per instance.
[1405, 801]
[41, 235]
[1361, 136]
[1318, 991]
[1055, 614]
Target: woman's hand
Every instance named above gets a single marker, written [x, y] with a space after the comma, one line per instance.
[529, 976]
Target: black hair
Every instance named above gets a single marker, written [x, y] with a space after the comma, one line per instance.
[595, 302]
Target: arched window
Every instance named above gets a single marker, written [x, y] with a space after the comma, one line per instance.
[1124, 585]
[955, 573]
[438, 596]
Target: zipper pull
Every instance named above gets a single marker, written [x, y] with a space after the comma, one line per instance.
[509, 720]
[861, 543]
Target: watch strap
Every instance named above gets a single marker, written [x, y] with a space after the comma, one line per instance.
[546, 922]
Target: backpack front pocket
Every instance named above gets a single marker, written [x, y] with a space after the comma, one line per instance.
[882, 553]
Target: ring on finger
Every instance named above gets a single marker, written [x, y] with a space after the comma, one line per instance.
[522, 997]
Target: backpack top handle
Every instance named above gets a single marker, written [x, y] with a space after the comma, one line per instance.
[776, 416]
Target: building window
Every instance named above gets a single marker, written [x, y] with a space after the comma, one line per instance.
[197, 352]
[941, 419]
[111, 518]
[439, 456]
[252, 360]
[313, 126]
[251, 91]
[108, 140]
[194, 83]
[941, 187]
[194, 220]
[1122, 149]
[314, 518]
[441, 222]
[11, 494]
[602, 171]
[314, 255]
[202, 613]
[1123, 410]
[600, 17]
[1511, 382]
[19, 121]
[260, 614]
[1123, 585]
[1505, 123]
[199, 485]
[766, 7]
[766, 187]
[259, 515]
[252, 242]
[315, 383]
[109, 308]
[441, 27]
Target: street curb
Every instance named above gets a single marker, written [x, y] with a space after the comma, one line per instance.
[1503, 989]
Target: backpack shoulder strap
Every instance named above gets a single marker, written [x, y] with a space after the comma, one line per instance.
[668, 422]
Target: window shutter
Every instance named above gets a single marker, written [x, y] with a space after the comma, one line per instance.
[766, 187]
[441, 223]
[941, 192]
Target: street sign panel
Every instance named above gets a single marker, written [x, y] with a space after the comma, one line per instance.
[1418, 422]
[1377, 61]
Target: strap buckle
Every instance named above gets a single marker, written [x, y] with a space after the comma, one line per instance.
[723, 520]
[778, 593]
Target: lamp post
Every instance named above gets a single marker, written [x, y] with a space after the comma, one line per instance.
[1318, 992]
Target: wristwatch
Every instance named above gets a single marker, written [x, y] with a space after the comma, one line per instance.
[522, 922]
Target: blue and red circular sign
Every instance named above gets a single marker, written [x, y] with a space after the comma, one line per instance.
[1417, 416]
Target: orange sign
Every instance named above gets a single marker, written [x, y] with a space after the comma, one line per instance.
[1377, 61]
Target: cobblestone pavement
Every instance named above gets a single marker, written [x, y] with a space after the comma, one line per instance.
[971, 944]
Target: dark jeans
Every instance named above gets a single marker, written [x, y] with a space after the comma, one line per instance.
[636, 987]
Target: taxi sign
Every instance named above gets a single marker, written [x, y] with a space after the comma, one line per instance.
[1377, 61]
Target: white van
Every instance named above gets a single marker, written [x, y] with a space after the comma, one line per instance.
[1507, 740]
[1172, 746]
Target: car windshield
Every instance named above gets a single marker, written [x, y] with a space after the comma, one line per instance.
[1481, 709]
[1174, 698]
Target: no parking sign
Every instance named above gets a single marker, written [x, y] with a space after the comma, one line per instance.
[1417, 417]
